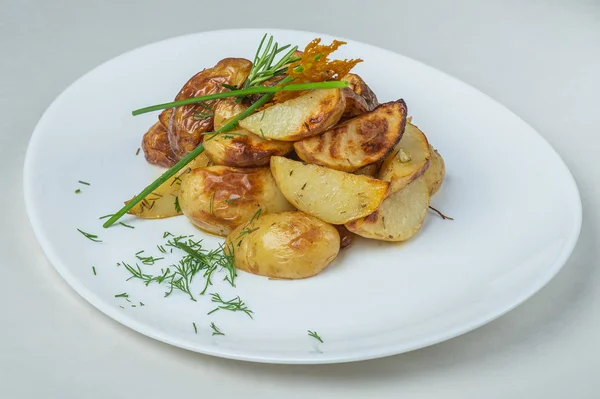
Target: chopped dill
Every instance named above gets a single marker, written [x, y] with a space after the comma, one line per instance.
[315, 335]
[215, 329]
[89, 236]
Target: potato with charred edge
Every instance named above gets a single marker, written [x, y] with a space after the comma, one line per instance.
[399, 217]
[186, 124]
[409, 159]
[369, 170]
[163, 202]
[359, 97]
[357, 142]
[307, 115]
[288, 245]
[346, 237]
[244, 149]
[331, 195]
[219, 198]
[434, 175]
[157, 149]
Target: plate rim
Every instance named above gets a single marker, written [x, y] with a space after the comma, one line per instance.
[93, 299]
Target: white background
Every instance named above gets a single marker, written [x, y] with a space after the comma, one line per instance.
[539, 58]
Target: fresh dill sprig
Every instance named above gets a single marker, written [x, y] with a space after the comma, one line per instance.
[147, 260]
[233, 305]
[315, 335]
[264, 66]
[208, 113]
[215, 329]
[89, 236]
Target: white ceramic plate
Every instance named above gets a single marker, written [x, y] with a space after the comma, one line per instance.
[516, 207]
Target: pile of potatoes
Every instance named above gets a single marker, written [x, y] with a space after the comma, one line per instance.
[292, 184]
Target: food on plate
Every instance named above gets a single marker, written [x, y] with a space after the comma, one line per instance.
[218, 199]
[288, 245]
[186, 124]
[157, 148]
[291, 156]
[409, 159]
[163, 202]
[399, 217]
[359, 97]
[308, 115]
[226, 109]
[244, 149]
[434, 175]
[358, 142]
[331, 195]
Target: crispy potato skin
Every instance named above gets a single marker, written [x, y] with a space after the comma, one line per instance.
[288, 245]
[307, 115]
[183, 127]
[244, 149]
[331, 195]
[220, 198]
[434, 175]
[399, 217]
[357, 142]
[157, 149]
[362, 100]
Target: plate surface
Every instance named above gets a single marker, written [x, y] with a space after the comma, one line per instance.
[516, 207]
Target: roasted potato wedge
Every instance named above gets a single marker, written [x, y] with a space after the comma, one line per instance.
[157, 149]
[357, 142]
[307, 115]
[225, 110]
[360, 87]
[244, 149]
[434, 175]
[186, 124]
[331, 195]
[288, 245]
[219, 198]
[163, 202]
[409, 159]
[399, 217]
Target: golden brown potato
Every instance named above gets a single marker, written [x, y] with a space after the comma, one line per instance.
[244, 149]
[184, 124]
[157, 149]
[409, 159]
[331, 195]
[399, 217]
[163, 202]
[289, 245]
[307, 115]
[226, 109]
[357, 142]
[434, 175]
[359, 87]
[220, 198]
[355, 104]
